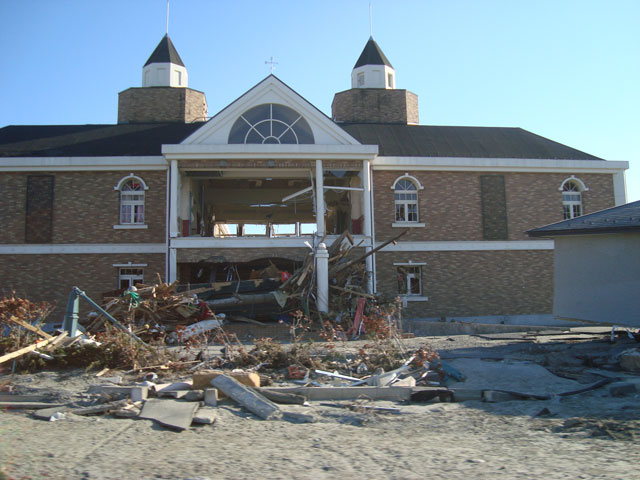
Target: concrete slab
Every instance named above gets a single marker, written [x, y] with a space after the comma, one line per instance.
[510, 375]
[169, 413]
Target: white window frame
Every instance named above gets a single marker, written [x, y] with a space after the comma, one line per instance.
[572, 198]
[133, 274]
[407, 296]
[406, 219]
[134, 220]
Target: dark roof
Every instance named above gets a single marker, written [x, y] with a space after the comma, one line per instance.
[165, 52]
[392, 140]
[372, 55]
[623, 218]
[92, 140]
[439, 141]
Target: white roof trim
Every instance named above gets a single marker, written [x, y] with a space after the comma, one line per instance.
[20, 164]
[311, 152]
[498, 164]
[270, 90]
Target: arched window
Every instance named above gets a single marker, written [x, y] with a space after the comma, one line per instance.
[132, 195]
[572, 189]
[271, 123]
[406, 200]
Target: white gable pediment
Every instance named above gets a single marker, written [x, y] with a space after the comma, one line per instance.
[271, 90]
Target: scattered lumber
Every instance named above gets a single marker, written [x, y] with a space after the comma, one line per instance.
[23, 351]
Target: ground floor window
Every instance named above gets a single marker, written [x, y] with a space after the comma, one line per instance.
[128, 277]
[409, 280]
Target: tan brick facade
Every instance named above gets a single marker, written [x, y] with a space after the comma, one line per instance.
[85, 208]
[474, 283]
[51, 277]
[161, 104]
[375, 105]
[450, 203]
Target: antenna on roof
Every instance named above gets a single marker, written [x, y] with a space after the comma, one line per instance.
[167, 17]
[370, 21]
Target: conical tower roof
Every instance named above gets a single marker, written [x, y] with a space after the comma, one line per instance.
[372, 55]
[165, 52]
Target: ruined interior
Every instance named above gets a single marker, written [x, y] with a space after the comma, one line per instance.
[268, 203]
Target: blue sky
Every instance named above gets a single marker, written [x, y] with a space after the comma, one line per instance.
[567, 70]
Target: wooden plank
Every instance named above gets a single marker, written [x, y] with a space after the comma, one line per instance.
[398, 394]
[28, 326]
[102, 408]
[247, 397]
[25, 350]
[27, 405]
[10, 397]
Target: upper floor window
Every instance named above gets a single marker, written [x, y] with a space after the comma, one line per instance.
[572, 189]
[132, 196]
[361, 79]
[271, 123]
[406, 201]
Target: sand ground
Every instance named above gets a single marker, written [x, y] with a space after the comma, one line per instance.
[591, 435]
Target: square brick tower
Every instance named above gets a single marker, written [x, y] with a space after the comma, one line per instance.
[373, 97]
[164, 95]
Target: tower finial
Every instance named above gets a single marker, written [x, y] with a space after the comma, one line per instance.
[167, 17]
[370, 20]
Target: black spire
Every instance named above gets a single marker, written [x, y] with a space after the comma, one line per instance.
[165, 52]
[372, 55]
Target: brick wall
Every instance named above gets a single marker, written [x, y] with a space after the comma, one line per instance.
[51, 277]
[474, 283]
[450, 204]
[161, 104]
[85, 208]
[377, 105]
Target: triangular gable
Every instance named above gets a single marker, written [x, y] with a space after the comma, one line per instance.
[270, 90]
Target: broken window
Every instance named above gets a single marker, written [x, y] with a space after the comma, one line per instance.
[409, 280]
[129, 277]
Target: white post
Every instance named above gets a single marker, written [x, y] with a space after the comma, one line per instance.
[173, 205]
[173, 265]
[322, 277]
[368, 224]
[319, 199]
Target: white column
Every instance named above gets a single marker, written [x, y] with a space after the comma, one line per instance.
[173, 265]
[322, 277]
[619, 188]
[173, 199]
[368, 223]
[319, 199]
